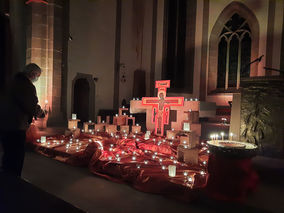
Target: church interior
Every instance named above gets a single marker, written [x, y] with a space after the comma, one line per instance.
[168, 105]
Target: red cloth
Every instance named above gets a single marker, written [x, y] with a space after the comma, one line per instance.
[230, 179]
[150, 177]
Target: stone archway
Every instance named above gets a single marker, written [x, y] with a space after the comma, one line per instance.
[83, 96]
[245, 12]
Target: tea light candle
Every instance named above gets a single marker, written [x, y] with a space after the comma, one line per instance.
[138, 166]
[109, 158]
[172, 170]
[185, 173]
[146, 162]
[123, 107]
[90, 121]
[164, 167]
[116, 115]
[202, 173]
[130, 116]
[118, 159]
[74, 116]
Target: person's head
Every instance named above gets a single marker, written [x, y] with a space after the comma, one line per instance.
[32, 71]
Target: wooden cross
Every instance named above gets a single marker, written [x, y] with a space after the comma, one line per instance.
[161, 106]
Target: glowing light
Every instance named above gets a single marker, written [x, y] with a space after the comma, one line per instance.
[185, 173]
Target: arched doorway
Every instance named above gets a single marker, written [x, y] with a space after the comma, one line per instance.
[81, 99]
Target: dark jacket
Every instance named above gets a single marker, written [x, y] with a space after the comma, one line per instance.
[20, 104]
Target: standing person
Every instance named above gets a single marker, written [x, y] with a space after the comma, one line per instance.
[19, 106]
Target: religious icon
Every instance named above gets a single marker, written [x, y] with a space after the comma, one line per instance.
[161, 106]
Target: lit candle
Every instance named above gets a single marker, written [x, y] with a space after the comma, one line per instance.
[185, 173]
[189, 179]
[146, 162]
[90, 121]
[137, 124]
[138, 166]
[231, 136]
[172, 170]
[164, 167]
[124, 113]
[123, 107]
[116, 115]
[222, 134]
[130, 116]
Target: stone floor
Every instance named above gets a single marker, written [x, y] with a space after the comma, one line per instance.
[94, 194]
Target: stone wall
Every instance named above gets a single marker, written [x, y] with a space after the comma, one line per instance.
[262, 114]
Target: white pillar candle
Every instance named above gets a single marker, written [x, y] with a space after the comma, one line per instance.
[43, 139]
[172, 170]
[74, 116]
[231, 136]
[222, 134]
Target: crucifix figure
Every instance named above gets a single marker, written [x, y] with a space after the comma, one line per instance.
[161, 106]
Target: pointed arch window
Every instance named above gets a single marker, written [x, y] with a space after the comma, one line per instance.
[234, 53]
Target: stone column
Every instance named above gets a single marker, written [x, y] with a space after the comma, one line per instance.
[44, 47]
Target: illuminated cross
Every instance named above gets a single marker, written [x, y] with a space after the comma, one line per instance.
[161, 106]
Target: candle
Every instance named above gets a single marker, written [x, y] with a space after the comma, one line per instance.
[146, 162]
[90, 121]
[74, 116]
[138, 166]
[134, 158]
[222, 134]
[43, 139]
[124, 113]
[172, 170]
[185, 173]
[123, 107]
[164, 167]
[231, 136]
[137, 124]
[116, 115]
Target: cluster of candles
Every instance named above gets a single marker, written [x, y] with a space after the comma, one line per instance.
[191, 99]
[215, 137]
